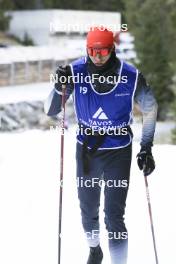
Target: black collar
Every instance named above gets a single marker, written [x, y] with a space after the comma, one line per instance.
[112, 65]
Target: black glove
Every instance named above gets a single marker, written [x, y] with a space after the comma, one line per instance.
[145, 160]
[62, 74]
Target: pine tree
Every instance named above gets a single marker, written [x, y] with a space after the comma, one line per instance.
[151, 23]
[4, 19]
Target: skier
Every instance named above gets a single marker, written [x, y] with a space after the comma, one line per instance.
[104, 106]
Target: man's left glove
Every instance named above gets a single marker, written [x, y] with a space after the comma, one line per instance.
[146, 161]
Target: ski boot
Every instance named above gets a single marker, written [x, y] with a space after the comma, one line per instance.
[95, 255]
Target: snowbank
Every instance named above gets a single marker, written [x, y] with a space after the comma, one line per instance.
[29, 189]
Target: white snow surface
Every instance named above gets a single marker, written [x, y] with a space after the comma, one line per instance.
[26, 92]
[29, 198]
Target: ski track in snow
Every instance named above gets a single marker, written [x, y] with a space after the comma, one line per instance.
[29, 197]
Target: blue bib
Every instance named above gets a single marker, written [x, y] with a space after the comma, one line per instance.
[108, 110]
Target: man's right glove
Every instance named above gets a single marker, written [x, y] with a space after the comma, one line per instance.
[146, 161]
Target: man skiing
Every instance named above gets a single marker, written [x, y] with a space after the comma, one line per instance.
[104, 106]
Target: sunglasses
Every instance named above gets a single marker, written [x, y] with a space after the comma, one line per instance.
[102, 51]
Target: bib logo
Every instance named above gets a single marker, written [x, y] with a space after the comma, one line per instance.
[100, 114]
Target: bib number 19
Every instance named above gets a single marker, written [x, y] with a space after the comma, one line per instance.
[83, 89]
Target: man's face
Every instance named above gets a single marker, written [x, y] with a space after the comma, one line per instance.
[99, 58]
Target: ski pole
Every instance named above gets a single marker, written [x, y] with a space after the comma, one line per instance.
[61, 168]
[151, 218]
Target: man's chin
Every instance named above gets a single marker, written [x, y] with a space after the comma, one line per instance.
[99, 64]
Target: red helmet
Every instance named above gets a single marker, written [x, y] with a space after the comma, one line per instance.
[100, 37]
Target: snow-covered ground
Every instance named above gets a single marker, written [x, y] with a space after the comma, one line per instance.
[29, 196]
[26, 92]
